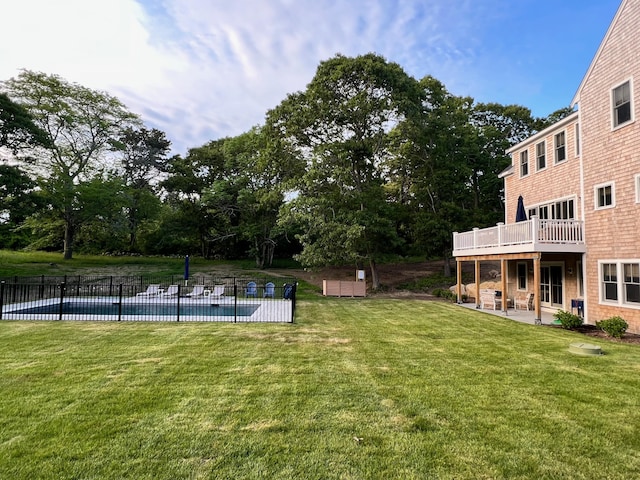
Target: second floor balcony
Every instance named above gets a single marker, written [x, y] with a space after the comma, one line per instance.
[533, 235]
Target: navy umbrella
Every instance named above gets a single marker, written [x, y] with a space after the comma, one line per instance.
[186, 269]
[521, 214]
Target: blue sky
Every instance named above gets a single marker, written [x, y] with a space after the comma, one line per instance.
[204, 69]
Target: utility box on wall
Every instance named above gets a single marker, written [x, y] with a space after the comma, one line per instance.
[359, 275]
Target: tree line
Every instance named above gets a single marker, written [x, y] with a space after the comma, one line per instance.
[365, 164]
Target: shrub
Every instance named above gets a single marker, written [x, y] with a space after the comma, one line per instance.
[445, 293]
[614, 326]
[568, 320]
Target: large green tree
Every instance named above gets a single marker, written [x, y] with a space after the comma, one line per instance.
[144, 157]
[17, 128]
[229, 192]
[188, 224]
[252, 192]
[81, 125]
[340, 126]
[19, 199]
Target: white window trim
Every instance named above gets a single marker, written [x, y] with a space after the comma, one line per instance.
[546, 157]
[612, 106]
[620, 283]
[578, 139]
[637, 186]
[555, 148]
[601, 298]
[613, 195]
[549, 203]
[520, 155]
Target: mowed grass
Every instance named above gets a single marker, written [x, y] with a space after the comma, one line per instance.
[355, 389]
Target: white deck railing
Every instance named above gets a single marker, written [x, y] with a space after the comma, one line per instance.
[533, 231]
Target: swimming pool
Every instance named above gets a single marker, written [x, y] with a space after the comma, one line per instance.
[101, 308]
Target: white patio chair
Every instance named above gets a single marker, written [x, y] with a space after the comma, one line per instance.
[198, 291]
[172, 291]
[152, 291]
[218, 291]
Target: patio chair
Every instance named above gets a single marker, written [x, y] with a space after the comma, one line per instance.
[198, 291]
[251, 290]
[269, 290]
[172, 291]
[488, 299]
[152, 291]
[218, 291]
[526, 303]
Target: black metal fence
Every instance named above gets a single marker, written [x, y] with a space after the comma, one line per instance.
[146, 298]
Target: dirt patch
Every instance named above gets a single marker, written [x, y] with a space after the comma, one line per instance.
[392, 276]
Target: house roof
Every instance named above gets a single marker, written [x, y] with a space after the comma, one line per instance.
[506, 172]
[543, 133]
[576, 98]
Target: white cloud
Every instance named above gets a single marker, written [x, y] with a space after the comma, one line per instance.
[203, 69]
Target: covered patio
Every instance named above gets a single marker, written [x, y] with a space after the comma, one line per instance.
[536, 242]
[522, 316]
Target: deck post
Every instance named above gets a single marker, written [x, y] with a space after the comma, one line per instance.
[536, 289]
[459, 280]
[503, 278]
[477, 274]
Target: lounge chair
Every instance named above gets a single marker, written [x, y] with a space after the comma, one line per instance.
[198, 291]
[152, 291]
[218, 291]
[172, 291]
[251, 290]
[269, 290]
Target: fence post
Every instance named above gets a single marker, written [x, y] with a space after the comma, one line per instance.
[111, 287]
[178, 307]
[119, 300]
[293, 301]
[235, 301]
[1, 297]
[62, 287]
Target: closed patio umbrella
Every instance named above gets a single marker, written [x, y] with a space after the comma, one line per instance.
[521, 214]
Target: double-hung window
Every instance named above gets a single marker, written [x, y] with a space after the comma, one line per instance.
[631, 282]
[604, 196]
[621, 100]
[524, 163]
[560, 147]
[609, 282]
[541, 157]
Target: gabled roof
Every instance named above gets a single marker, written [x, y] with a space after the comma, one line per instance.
[576, 98]
[543, 133]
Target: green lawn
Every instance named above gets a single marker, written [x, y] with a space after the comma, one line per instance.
[355, 389]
